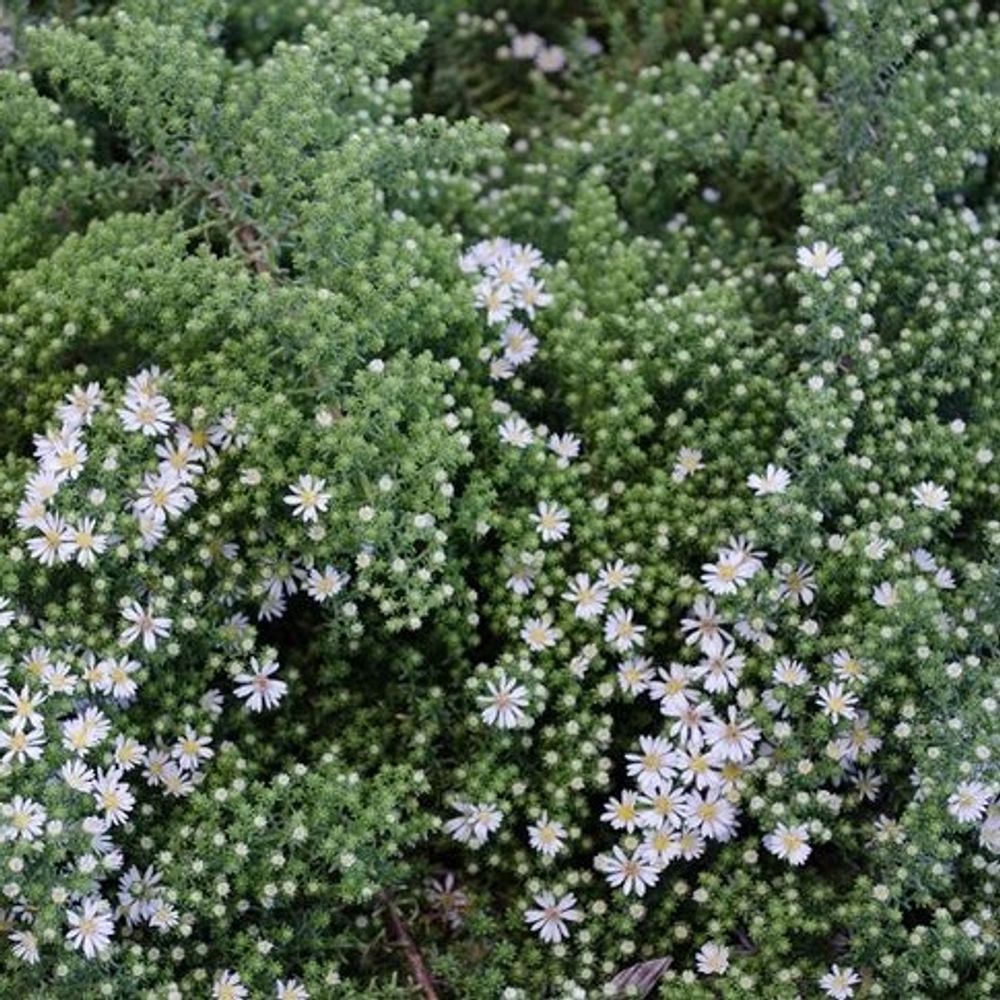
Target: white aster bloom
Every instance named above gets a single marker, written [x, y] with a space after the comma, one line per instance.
[551, 521]
[503, 705]
[930, 496]
[790, 843]
[259, 687]
[547, 836]
[969, 801]
[229, 986]
[145, 625]
[91, 927]
[23, 819]
[621, 632]
[712, 959]
[308, 498]
[839, 983]
[632, 873]
[774, 480]
[517, 432]
[820, 259]
[588, 599]
[552, 916]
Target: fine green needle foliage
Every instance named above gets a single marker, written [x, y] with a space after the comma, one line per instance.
[499, 503]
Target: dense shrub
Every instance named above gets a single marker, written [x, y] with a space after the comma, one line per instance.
[499, 503]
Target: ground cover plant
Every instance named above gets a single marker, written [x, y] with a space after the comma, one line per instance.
[499, 503]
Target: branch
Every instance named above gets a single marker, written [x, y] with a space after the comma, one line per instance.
[401, 933]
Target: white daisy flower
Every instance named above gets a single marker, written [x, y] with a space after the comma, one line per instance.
[552, 915]
[712, 959]
[144, 624]
[790, 843]
[774, 480]
[820, 258]
[260, 689]
[547, 836]
[632, 873]
[308, 498]
[504, 705]
[551, 521]
[930, 496]
[839, 983]
[91, 927]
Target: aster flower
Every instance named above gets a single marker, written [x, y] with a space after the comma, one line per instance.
[475, 823]
[86, 543]
[551, 918]
[54, 543]
[91, 927]
[259, 687]
[519, 344]
[191, 749]
[23, 706]
[163, 495]
[820, 259]
[656, 762]
[85, 731]
[229, 986]
[712, 959]
[622, 813]
[839, 983]
[551, 521]
[774, 480]
[617, 575]
[969, 801]
[798, 585]
[307, 498]
[550, 59]
[21, 745]
[732, 738]
[23, 819]
[447, 899]
[540, 633]
[633, 874]
[711, 814]
[930, 496]
[790, 843]
[621, 632]
[517, 432]
[81, 403]
[503, 705]
[634, 674]
[703, 626]
[144, 624]
[837, 703]
[290, 989]
[112, 795]
[790, 673]
[726, 575]
[547, 836]
[322, 585]
[588, 599]
[565, 446]
[150, 415]
[24, 945]
[688, 462]
[720, 671]
[673, 689]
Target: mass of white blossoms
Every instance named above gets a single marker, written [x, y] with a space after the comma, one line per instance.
[499, 504]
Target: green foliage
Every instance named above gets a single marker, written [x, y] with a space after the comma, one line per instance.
[398, 398]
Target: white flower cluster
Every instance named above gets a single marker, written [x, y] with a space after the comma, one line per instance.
[162, 495]
[67, 704]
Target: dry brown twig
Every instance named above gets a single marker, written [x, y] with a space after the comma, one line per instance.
[402, 936]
